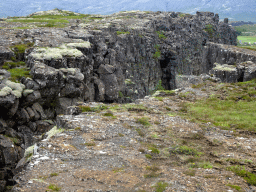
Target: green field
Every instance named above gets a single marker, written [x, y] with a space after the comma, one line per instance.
[247, 39]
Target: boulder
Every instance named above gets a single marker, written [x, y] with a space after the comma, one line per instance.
[39, 109]
[43, 126]
[63, 104]
[249, 70]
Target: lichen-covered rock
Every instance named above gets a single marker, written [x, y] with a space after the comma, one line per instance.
[227, 73]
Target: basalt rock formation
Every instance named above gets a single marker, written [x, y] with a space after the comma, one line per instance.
[115, 58]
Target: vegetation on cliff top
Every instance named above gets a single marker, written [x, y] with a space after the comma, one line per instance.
[232, 106]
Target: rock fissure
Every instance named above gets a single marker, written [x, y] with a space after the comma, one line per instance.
[112, 60]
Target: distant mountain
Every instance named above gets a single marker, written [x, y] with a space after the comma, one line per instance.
[233, 9]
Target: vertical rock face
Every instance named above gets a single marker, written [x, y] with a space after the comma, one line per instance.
[145, 49]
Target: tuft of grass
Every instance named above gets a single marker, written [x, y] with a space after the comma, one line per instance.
[54, 174]
[160, 186]
[140, 132]
[190, 172]
[144, 121]
[148, 156]
[161, 35]
[85, 108]
[10, 65]
[240, 171]
[234, 187]
[121, 135]
[122, 32]
[187, 151]
[78, 128]
[117, 169]
[157, 54]
[151, 175]
[89, 144]
[210, 30]
[154, 150]
[159, 98]
[204, 165]
[54, 187]
[108, 114]
[153, 168]
[17, 73]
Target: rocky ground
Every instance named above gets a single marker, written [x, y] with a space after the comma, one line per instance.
[141, 146]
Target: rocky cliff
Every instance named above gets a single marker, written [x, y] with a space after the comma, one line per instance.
[115, 58]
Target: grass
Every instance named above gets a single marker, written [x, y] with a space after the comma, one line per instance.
[247, 39]
[157, 54]
[10, 65]
[140, 132]
[159, 98]
[160, 186]
[234, 187]
[190, 172]
[187, 151]
[240, 171]
[117, 169]
[54, 187]
[154, 150]
[161, 35]
[54, 174]
[248, 47]
[152, 168]
[14, 140]
[234, 109]
[122, 32]
[209, 29]
[204, 165]
[89, 144]
[148, 156]
[20, 48]
[143, 121]
[17, 73]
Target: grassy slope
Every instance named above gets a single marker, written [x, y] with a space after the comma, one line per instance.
[232, 106]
